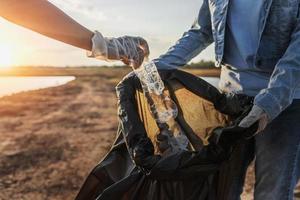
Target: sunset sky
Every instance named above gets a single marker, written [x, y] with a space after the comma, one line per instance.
[161, 22]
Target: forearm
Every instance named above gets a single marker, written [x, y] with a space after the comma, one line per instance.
[43, 17]
[191, 43]
[189, 46]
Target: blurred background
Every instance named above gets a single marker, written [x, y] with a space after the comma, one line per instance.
[58, 113]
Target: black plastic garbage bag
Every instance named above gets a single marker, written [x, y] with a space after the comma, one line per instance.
[132, 170]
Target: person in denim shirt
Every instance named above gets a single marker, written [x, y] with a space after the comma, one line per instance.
[257, 46]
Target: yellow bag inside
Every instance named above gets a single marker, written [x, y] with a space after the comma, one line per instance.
[197, 116]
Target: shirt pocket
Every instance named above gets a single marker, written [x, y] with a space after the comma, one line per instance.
[280, 24]
[283, 14]
[285, 3]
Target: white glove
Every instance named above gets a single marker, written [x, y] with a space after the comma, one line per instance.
[130, 50]
[256, 114]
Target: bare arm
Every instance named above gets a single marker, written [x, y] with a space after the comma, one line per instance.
[43, 17]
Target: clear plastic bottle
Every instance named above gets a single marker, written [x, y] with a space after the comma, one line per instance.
[170, 138]
[163, 107]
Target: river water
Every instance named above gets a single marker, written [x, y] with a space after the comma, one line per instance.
[11, 85]
[212, 80]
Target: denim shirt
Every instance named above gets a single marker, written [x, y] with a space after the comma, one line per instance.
[277, 57]
[242, 32]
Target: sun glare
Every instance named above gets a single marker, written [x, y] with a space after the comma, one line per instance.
[5, 56]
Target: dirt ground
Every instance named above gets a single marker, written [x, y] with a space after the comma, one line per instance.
[51, 138]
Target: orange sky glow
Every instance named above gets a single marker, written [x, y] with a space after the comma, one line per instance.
[162, 28]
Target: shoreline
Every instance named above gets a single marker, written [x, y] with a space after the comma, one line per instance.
[29, 83]
[89, 71]
[20, 72]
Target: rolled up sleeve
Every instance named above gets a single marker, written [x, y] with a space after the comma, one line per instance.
[284, 80]
[191, 43]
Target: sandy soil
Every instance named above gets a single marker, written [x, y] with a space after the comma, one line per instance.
[51, 138]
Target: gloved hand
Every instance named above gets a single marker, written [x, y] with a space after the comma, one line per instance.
[256, 114]
[130, 50]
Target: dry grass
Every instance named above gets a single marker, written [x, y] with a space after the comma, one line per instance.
[51, 138]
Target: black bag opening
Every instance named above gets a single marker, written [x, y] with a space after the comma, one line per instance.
[131, 170]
